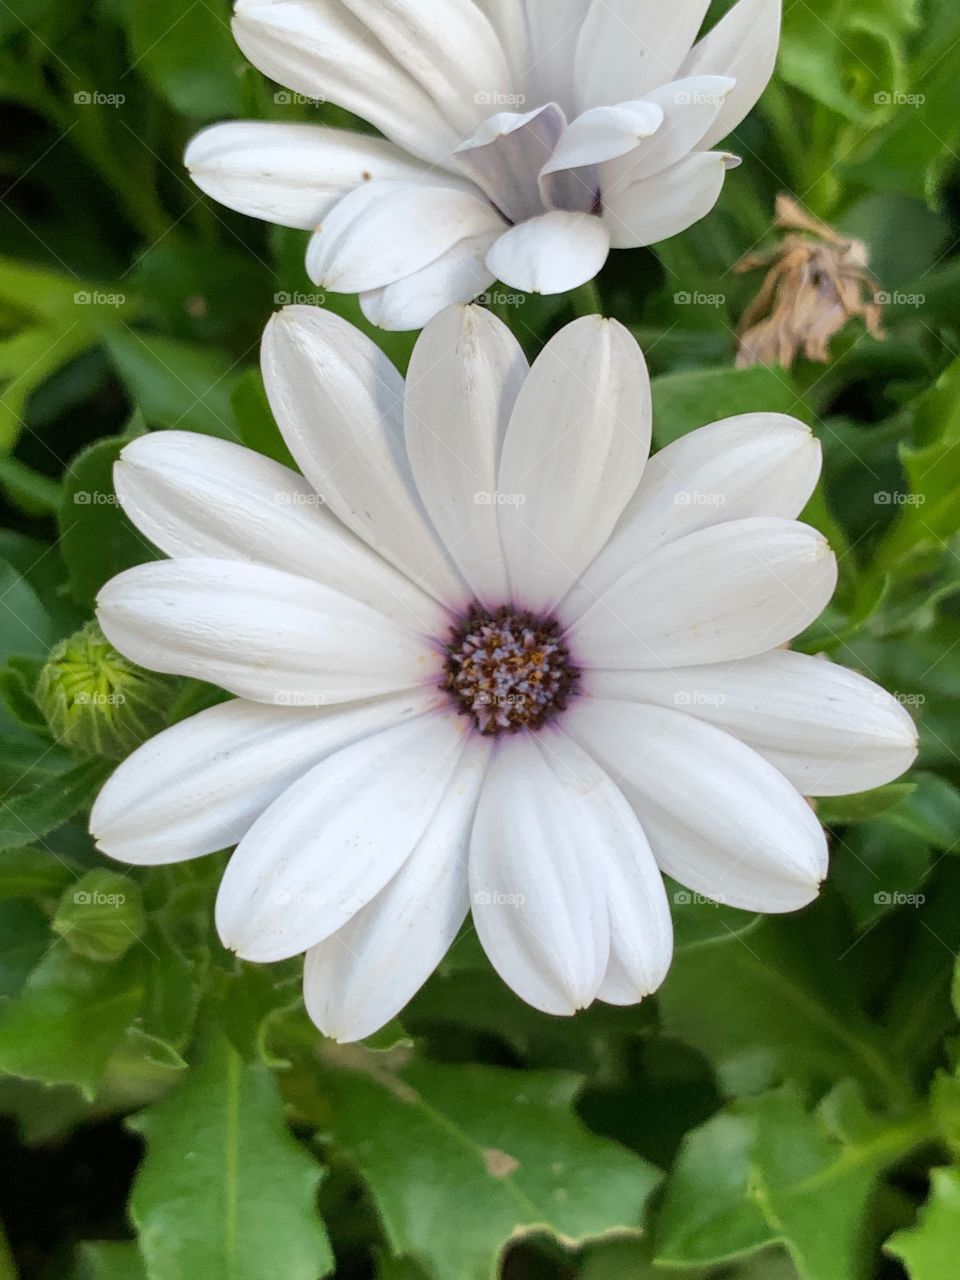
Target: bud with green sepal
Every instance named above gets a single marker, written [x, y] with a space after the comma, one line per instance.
[98, 702]
[101, 916]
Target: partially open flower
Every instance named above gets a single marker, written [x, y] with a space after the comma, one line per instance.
[522, 139]
[486, 657]
[817, 281]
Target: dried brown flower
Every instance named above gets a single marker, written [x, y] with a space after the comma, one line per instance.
[817, 281]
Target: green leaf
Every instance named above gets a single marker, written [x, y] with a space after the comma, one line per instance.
[506, 1154]
[772, 1007]
[35, 813]
[33, 873]
[67, 1020]
[841, 811]
[225, 1191]
[186, 49]
[25, 626]
[109, 1260]
[177, 384]
[97, 540]
[255, 420]
[684, 401]
[101, 916]
[929, 1250]
[765, 1171]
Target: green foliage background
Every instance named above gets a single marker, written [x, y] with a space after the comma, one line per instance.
[789, 1106]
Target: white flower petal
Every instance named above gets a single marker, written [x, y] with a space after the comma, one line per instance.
[575, 449]
[756, 464]
[360, 977]
[509, 21]
[331, 842]
[449, 48]
[195, 495]
[827, 729]
[550, 254]
[384, 231]
[261, 634]
[654, 209]
[690, 107]
[538, 905]
[603, 133]
[199, 786]
[290, 174]
[719, 818]
[744, 45]
[725, 592]
[628, 47]
[554, 27]
[641, 930]
[466, 372]
[506, 154]
[339, 403]
[319, 49]
[458, 275]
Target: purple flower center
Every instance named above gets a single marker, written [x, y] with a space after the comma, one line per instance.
[508, 669]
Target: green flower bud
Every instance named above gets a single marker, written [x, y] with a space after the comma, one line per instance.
[96, 701]
[101, 916]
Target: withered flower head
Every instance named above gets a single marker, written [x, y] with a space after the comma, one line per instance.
[817, 281]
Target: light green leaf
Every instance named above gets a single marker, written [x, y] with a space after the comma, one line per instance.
[684, 401]
[506, 1153]
[101, 916]
[177, 384]
[33, 873]
[97, 540]
[25, 626]
[840, 811]
[929, 1250]
[34, 814]
[67, 1020]
[765, 1171]
[109, 1260]
[225, 1191]
[186, 49]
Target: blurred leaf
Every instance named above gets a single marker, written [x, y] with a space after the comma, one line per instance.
[101, 916]
[177, 384]
[25, 625]
[67, 1020]
[48, 805]
[224, 1190]
[684, 401]
[839, 811]
[187, 50]
[506, 1152]
[929, 1250]
[765, 1171]
[33, 873]
[255, 421]
[97, 540]
[109, 1260]
[772, 1007]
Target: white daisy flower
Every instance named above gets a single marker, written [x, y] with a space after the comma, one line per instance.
[485, 656]
[522, 139]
